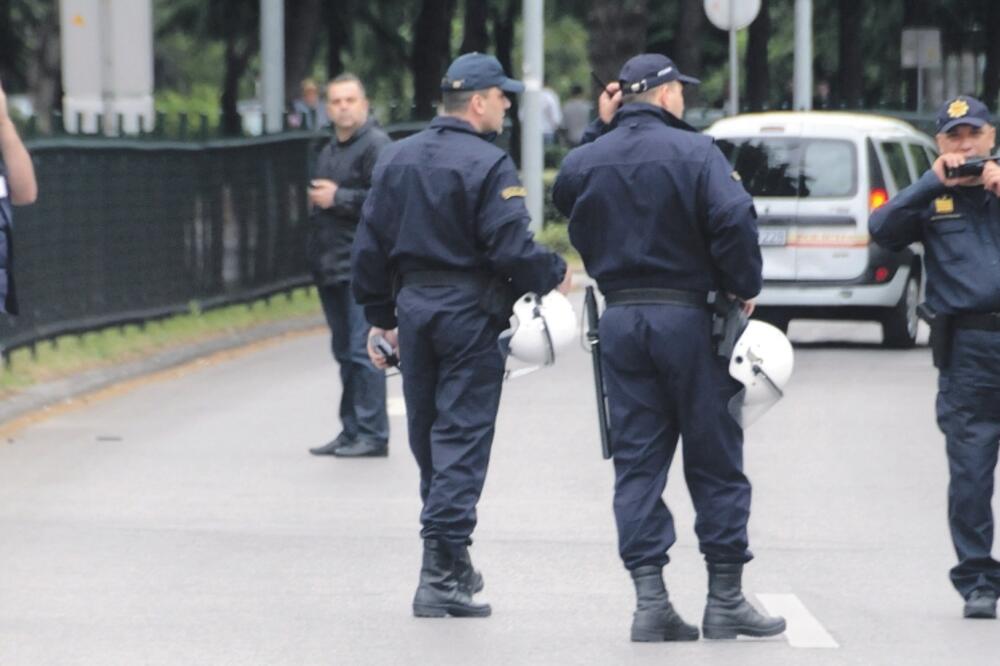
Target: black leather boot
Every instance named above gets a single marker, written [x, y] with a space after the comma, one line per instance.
[727, 612]
[444, 584]
[981, 604]
[655, 618]
[473, 578]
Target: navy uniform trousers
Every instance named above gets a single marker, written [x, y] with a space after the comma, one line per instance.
[968, 413]
[663, 380]
[452, 375]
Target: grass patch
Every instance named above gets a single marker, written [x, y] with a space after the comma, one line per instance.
[556, 238]
[71, 354]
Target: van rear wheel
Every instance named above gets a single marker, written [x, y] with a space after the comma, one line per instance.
[899, 325]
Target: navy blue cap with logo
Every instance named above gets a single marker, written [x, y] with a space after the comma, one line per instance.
[962, 110]
[478, 71]
[648, 70]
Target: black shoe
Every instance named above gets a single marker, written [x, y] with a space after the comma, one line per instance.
[444, 586]
[473, 579]
[728, 613]
[981, 604]
[655, 619]
[328, 448]
[363, 448]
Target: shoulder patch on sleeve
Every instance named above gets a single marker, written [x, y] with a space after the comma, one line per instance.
[513, 191]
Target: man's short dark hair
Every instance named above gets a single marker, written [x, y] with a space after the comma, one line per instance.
[347, 77]
[458, 100]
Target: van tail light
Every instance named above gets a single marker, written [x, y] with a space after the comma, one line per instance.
[882, 274]
[877, 198]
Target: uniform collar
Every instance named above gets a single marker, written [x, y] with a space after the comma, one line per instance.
[642, 111]
[441, 123]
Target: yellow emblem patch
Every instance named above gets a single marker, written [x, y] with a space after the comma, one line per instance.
[513, 191]
[958, 108]
[944, 205]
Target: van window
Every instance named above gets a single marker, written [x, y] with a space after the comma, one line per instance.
[792, 166]
[919, 156]
[897, 163]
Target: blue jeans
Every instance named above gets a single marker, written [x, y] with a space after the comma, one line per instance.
[362, 401]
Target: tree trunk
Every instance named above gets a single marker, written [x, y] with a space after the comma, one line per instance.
[503, 35]
[689, 45]
[758, 74]
[430, 53]
[851, 77]
[337, 18]
[991, 76]
[474, 35]
[302, 21]
[236, 66]
[617, 31]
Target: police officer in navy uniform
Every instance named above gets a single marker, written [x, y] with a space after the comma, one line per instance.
[442, 250]
[958, 221]
[17, 188]
[343, 176]
[661, 220]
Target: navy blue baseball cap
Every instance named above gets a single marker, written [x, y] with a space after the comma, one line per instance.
[963, 110]
[478, 71]
[648, 70]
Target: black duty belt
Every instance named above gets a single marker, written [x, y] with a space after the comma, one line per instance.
[651, 296]
[445, 278]
[981, 321]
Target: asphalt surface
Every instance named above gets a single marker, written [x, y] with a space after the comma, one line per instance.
[183, 522]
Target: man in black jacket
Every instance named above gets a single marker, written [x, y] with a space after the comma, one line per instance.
[343, 177]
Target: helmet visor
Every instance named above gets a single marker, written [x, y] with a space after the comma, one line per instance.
[747, 410]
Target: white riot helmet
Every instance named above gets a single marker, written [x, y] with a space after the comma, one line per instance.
[762, 361]
[540, 327]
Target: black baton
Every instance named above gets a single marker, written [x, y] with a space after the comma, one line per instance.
[590, 303]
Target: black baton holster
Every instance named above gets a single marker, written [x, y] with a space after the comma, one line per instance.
[728, 322]
[942, 333]
[497, 299]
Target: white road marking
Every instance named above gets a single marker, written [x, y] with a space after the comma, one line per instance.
[396, 406]
[804, 630]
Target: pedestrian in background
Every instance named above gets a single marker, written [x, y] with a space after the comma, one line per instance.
[342, 180]
[660, 220]
[957, 219]
[17, 188]
[307, 110]
[443, 249]
[576, 115]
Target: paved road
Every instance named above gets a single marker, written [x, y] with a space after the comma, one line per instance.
[184, 523]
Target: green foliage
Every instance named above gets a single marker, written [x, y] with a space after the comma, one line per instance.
[71, 354]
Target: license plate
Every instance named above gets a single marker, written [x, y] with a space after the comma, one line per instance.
[772, 237]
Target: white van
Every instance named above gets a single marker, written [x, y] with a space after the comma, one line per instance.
[815, 177]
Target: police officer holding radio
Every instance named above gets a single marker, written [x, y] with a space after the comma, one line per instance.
[957, 218]
[443, 248]
[660, 220]
[18, 188]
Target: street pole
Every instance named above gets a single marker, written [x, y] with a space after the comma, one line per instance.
[272, 63]
[734, 72]
[802, 99]
[532, 156]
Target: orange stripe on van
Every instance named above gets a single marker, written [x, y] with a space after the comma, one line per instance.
[828, 240]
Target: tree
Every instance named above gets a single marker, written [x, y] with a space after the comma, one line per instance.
[474, 35]
[302, 24]
[617, 32]
[850, 74]
[430, 54]
[688, 44]
[758, 71]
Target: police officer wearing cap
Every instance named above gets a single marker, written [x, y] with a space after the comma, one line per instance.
[661, 220]
[442, 250]
[958, 221]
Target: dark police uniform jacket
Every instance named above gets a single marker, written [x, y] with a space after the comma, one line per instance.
[8, 294]
[654, 204]
[331, 231]
[960, 230]
[445, 199]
